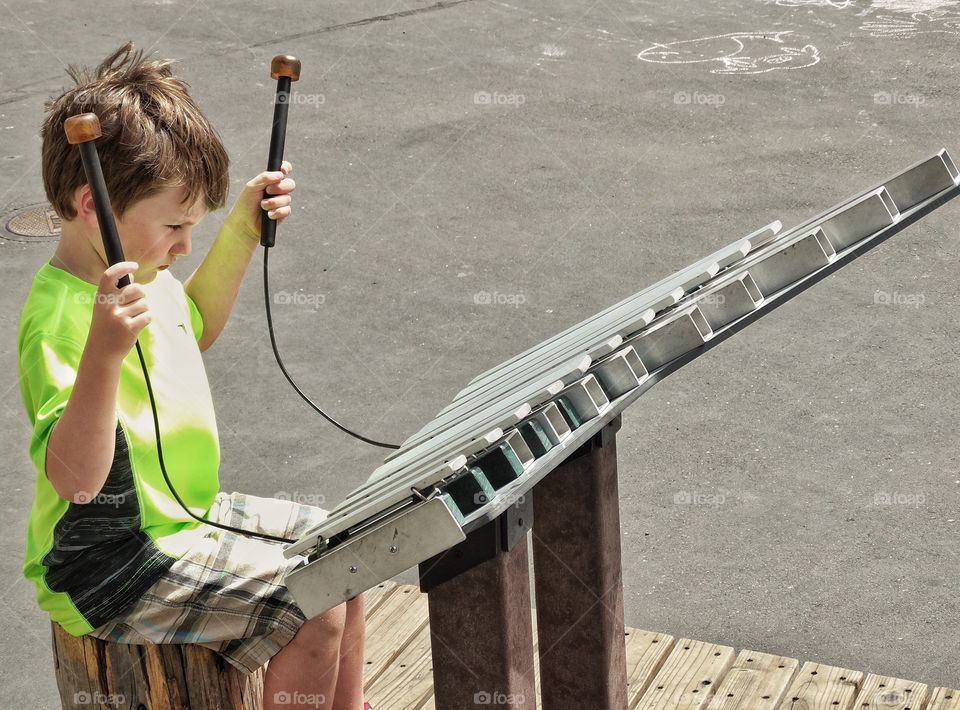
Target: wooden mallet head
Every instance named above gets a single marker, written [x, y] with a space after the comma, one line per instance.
[82, 128]
[285, 65]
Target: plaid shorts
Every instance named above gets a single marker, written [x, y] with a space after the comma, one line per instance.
[227, 592]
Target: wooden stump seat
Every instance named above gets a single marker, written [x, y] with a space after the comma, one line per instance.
[96, 674]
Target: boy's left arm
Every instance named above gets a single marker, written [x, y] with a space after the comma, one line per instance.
[216, 282]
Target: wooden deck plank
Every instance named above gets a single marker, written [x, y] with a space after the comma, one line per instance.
[663, 674]
[394, 622]
[756, 681]
[646, 653]
[820, 687]
[372, 598]
[688, 676]
[885, 693]
[408, 682]
[944, 699]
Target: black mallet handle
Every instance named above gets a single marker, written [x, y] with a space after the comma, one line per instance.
[83, 130]
[285, 69]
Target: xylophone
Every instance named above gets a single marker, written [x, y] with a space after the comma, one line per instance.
[530, 446]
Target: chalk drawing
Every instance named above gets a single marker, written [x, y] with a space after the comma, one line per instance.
[735, 53]
[918, 23]
[839, 4]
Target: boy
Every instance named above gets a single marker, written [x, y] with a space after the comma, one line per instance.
[110, 550]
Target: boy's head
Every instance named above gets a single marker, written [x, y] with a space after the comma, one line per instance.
[155, 139]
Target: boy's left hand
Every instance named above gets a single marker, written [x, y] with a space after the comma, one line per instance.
[268, 190]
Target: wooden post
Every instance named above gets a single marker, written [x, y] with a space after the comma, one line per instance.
[481, 625]
[92, 673]
[579, 580]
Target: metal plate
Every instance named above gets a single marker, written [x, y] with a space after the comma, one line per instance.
[368, 559]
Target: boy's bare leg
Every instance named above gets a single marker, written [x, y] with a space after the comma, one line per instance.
[304, 672]
[349, 693]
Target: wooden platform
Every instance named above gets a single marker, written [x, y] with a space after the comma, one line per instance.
[663, 672]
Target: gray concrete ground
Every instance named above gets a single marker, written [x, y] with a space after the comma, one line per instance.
[794, 491]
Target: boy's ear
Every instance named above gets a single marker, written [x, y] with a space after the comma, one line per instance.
[83, 204]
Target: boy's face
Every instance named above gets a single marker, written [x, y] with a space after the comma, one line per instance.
[156, 230]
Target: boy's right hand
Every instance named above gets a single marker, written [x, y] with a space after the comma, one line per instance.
[119, 314]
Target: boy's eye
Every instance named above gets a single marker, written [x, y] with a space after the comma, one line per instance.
[175, 227]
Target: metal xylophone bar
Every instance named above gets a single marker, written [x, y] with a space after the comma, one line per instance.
[689, 279]
[693, 277]
[877, 205]
[473, 469]
[471, 407]
[490, 389]
[901, 189]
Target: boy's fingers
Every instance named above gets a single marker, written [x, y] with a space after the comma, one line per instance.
[279, 214]
[269, 177]
[265, 178]
[108, 282]
[130, 294]
[274, 202]
[140, 322]
[281, 188]
[135, 309]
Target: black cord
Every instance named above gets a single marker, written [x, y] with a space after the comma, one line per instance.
[163, 468]
[276, 352]
[273, 343]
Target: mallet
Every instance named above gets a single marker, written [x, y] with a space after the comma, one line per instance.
[285, 69]
[83, 130]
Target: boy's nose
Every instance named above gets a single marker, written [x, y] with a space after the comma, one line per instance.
[183, 246]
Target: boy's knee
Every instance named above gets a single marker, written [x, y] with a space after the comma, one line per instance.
[326, 627]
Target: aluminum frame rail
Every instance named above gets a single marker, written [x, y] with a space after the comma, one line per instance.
[516, 422]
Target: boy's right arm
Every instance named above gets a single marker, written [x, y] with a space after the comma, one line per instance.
[81, 446]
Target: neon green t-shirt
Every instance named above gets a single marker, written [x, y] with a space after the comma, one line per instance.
[90, 561]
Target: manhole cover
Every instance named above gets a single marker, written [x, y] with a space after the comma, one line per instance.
[34, 223]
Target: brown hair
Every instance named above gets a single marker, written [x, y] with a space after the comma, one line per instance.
[154, 135]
